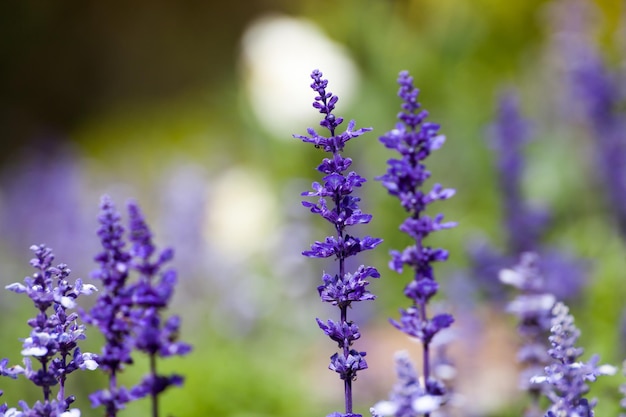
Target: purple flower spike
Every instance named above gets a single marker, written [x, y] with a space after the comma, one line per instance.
[566, 377]
[533, 307]
[55, 333]
[112, 311]
[414, 139]
[151, 295]
[524, 224]
[128, 313]
[598, 88]
[336, 204]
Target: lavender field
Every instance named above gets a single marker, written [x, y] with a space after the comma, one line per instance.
[313, 208]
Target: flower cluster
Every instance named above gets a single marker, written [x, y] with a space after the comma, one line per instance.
[112, 310]
[567, 376]
[137, 281]
[155, 335]
[533, 307]
[53, 340]
[127, 313]
[415, 139]
[408, 397]
[337, 205]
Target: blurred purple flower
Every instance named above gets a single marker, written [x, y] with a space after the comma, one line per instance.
[408, 397]
[112, 310]
[524, 226]
[415, 139]
[128, 314]
[508, 135]
[595, 95]
[533, 307]
[566, 377]
[601, 95]
[32, 208]
[405, 391]
[151, 294]
[337, 205]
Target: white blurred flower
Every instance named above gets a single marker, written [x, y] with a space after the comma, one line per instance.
[511, 277]
[241, 212]
[533, 303]
[277, 57]
[426, 404]
[384, 408]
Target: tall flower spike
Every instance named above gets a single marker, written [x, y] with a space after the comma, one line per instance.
[524, 224]
[566, 376]
[533, 307]
[156, 337]
[595, 89]
[53, 340]
[337, 205]
[415, 139]
[508, 135]
[129, 313]
[112, 311]
[600, 91]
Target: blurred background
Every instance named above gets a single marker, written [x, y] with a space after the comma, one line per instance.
[189, 108]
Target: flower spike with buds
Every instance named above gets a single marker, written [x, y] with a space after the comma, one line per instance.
[337, 205]
[414, 139]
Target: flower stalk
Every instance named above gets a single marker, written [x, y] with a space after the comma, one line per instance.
[53, 340]
[415, 139]
[336, 204]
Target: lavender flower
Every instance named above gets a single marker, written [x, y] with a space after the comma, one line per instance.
[533, 307]
[601, 94]
[129, 313]
[156, 337]
[338, 206]
[53, 340]
[408, 397]
[566, 375]
[524, 225]
[415, 139]
[112, 311]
